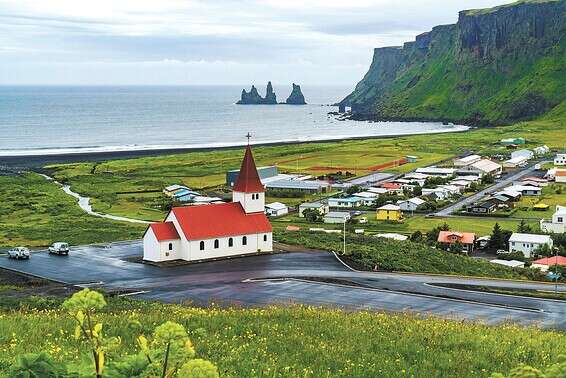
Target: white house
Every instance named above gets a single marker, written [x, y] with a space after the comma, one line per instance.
[528, 243]
[560, 159]
[557, 224]
[436, 171]
[276, 209]
[322, 208]
[398, 237]
[348, 202]
[368, 198]
[527, 154]
[484, 167]
[410, 204]
[337, 217]
[467, 160]
[212, 231]
[560, 175]
[437, 193]
[525, 190]
[541, 150]
[515, 162]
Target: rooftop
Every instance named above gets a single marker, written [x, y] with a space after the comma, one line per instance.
[530, 238]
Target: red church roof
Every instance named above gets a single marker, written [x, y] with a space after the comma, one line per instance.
[219, 220]
[248, 178]
[164, 231]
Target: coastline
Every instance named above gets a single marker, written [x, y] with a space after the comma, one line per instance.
[38, 161]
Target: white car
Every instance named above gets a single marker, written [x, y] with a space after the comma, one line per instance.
[59, 248]
[19, 253]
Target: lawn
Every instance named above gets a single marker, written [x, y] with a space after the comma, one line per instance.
[552, 195]
[294, 341]
[35, 212]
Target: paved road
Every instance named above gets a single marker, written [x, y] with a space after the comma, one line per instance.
[479, 195]
[287, 278]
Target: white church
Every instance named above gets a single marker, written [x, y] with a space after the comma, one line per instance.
[217, 230]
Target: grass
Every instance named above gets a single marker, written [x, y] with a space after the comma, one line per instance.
[390, 255]
[35, 212]
[296, 341]
[552, 195]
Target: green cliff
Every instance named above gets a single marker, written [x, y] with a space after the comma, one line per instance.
[494, 66]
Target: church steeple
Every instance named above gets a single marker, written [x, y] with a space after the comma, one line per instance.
[249, 190]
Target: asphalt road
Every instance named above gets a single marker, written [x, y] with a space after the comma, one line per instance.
[288, 278]
[479, 195]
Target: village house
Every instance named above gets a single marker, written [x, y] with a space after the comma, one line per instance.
[389, 212]
[558, 222]
[512, 194]
[546, 263]
[337, 217]
[348, 202]
[515, 162]
[436, 193]
[560, 159]
[377, 191]
[485, 207]
[466, 239]
[368, 198]
[213, 231]
[527, 154]
[410, 204]
[435, 171]
[453, 190]
[541, 150]
[509, 263]
[322, 208]
[525, 190]
[172, 189]
[467, 160]
[392, 187]
[483, 167]
[528, 243]
[276, 209]
[560, 176]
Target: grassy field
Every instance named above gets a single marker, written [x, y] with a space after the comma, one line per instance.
[131, 187]
[292, 341]
[552, 195]
[35, 212]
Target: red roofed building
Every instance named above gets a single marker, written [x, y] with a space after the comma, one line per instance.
[547, 262]
[216, 230]
[467, 239]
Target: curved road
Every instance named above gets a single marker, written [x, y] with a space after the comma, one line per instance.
[291, 278]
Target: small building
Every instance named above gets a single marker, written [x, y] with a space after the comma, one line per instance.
[411, 158]
[377, 190]
[541, 150]
[525, 190]
[276, 209]
[527, 154]
[558, 222]
[367, 198]
[337, 217]
[528, 243]
[410, 204]
[322, 208]
[453, 190]
[263, 172]
[464, 184]
[172, 189]
[467, 160]
[436, 193]
[512, 194]
[511, 141]
[515, 162]
[483, 241]
[347, 202]
[467, 239]
[308, 186]
[560, 159]
[509, 263]
[486, 207]
[389, 212]
[392, 187]
[545, 264]
[484, 167]
[560, 176]
[436, 171]
[392, 236]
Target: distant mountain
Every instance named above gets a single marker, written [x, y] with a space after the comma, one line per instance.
[494, 66]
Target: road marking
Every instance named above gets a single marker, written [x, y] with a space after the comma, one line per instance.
[478, 303]
[503, 287]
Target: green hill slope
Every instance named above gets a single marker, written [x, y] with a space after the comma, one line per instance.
[494, 66]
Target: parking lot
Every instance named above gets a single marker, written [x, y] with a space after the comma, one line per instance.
[288, 278]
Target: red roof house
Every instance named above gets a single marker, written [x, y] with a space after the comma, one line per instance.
[549, 261]
[467, 239]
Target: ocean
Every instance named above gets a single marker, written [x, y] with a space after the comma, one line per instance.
[55, 119]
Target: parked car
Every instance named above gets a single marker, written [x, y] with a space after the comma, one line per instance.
[59, 248]
[19, 253]
[502, 252]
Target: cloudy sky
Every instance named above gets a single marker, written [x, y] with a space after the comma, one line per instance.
[207, 41]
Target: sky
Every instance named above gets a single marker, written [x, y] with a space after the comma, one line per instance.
[207, 42]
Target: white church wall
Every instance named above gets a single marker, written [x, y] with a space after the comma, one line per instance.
[255, 243]
[249, 202]
[155, 250]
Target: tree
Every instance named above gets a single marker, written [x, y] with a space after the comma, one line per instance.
[417, 190]
[524, 228]
[497, 240]
[312, 215]
[416, 236]
[432, 235]
[487, 179]
[353, 189]
[456, 247]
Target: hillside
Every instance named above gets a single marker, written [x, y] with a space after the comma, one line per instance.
[494, 66]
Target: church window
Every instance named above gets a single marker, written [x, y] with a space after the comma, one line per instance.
[170, 246]
[264, 238]
[202, 245]
[230, 242]
[245, 240]
[216, 243]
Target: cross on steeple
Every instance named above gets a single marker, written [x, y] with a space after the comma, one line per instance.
[248, 135]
